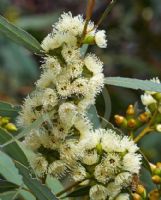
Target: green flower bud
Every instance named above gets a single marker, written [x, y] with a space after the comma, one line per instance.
[10, 127]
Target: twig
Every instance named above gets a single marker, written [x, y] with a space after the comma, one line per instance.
[69, 188]
[89, 12]
[147, 129]
[106, 12]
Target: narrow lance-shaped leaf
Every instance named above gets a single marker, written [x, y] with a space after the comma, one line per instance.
[7, 186]
[133, 83]
[40, 191]
[13, 149]
[19, 35]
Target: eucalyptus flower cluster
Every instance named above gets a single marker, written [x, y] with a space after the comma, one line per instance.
[106, 161]
[66, 141]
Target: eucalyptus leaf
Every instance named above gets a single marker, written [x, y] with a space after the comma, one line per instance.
[13, 149]
[7, 186]
[133, 83]
[19, 35]
[8, 169]
[8, 110]
[40, 191]
[7, 195]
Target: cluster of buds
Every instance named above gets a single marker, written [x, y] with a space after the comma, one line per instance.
[156, 173]
[140, 193]
[132, 120]
[7, 125]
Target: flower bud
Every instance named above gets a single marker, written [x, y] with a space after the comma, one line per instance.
[136, 196]
[154, 195]
[130, 110]
[132, 123]
[144, 117]
[4, 120]
[99, 149]
[11, 127]
[156, 179]
[120, 120]
[158, 164]
[157, 171]
[141, 191]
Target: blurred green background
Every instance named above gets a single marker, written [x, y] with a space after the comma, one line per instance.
[134, 49]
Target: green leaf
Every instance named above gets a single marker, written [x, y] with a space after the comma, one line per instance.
[8, 110]
[13, 149]
[8, 169]
[7, 186]
[19, 35]
[7, 195]
[79, 192]
[40, 191]
[133, 83]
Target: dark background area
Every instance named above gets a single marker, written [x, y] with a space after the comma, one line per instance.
[134, 48]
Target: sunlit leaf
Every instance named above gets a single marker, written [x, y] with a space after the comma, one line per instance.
[40, 191]
[133, 83]
[13, 149]
[7, 186]
[19, 35]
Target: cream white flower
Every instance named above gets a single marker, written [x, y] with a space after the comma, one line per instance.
[39, 164]
[49, 98]
[132, 162]
[98, 192]
[69, 152]
[32, 140]
[58, 168]
[68, 23]
[123, 196]
[124, 179]
[90, 157]
[83, 125]
[96, 83]
[100, 39]
[47, 78]
[47, 43]
[67, 114]
[93, 64]
[79, 173]
[52, 63]
[147, 99]
[113, 190]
